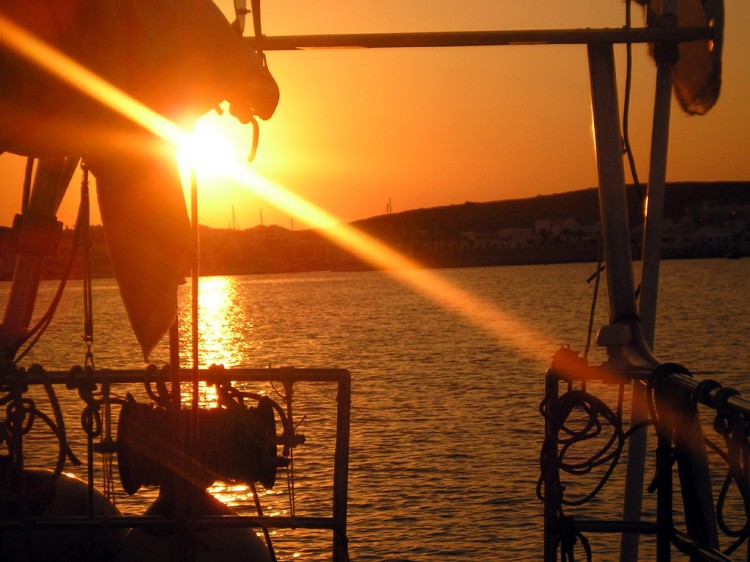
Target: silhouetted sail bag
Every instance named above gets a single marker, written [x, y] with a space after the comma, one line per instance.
[178, 57]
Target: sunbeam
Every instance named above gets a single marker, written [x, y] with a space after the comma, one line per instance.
[483, 314]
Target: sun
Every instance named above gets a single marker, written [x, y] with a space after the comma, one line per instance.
[212, 153]
[217, 140]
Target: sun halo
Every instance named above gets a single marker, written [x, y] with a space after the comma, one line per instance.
[216, 140]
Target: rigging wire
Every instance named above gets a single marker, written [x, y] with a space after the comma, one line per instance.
[266, 533]
[289, 428]
[596, 276]
[106, 443]
[88, 311]
[626, 107]
[90, 419]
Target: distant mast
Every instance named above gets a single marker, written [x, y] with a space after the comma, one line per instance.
[389, 207]
[234, 219]
[260, 211]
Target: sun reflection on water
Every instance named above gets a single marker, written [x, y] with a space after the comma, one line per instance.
[226, 330]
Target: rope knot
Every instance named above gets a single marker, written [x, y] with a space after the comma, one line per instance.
[702, 393]
[726, 418]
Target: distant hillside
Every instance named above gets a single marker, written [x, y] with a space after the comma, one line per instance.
[468, 234]
[581, 205]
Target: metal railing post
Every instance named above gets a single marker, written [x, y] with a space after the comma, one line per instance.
[341, 469]
[552, 497]
[613, 206]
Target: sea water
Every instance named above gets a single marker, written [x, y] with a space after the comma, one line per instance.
[446, 431]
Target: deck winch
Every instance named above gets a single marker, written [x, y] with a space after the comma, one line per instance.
[237, 443]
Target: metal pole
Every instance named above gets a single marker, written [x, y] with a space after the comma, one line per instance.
[38, 224]
[652, 241]
[665, 55]
[341, 469]
[552, 492]
[613, 208]
[653, 226]
[480, 38]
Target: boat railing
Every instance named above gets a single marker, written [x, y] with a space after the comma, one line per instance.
[24, 416]
[698, 500]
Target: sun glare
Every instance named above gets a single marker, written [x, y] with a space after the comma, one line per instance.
[215, 140]
[219, 152]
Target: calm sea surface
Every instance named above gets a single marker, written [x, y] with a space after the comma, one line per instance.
[445, 424]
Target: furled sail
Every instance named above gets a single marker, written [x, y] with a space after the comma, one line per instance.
[148, 235]
[180, 58]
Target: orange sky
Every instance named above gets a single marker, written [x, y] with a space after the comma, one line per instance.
[428, 127]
